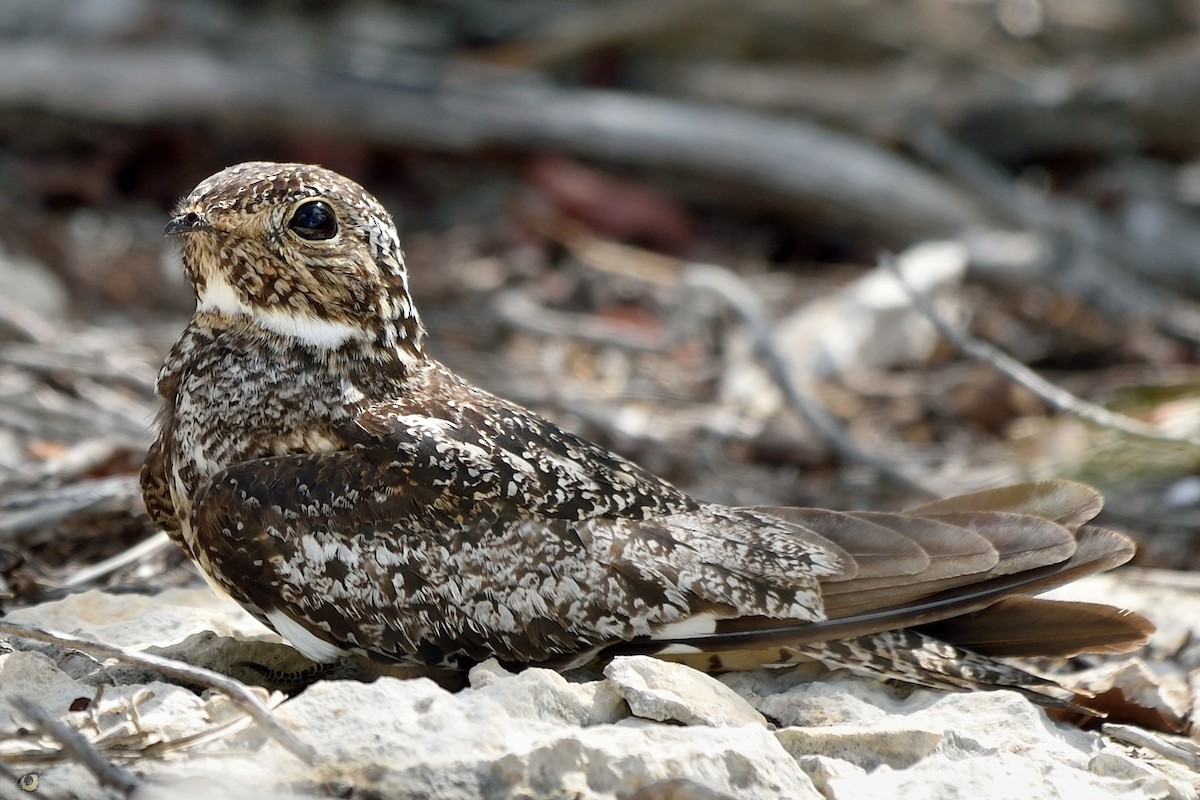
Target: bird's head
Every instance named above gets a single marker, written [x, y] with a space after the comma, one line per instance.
[300, 252]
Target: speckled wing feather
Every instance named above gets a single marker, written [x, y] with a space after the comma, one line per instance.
[474, 444]
[465, 537]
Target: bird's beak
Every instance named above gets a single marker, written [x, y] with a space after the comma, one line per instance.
[186, 223]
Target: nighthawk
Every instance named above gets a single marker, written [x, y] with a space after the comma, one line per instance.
[360, 498]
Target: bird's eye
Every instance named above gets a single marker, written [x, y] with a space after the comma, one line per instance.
[314, 221]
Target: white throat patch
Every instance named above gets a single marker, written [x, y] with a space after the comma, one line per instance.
[220, 296]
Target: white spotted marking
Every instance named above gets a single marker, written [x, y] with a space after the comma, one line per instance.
[431, 426]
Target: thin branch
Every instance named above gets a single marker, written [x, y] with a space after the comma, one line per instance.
[517, 310]
[748, 306]
[144, 548]
[73, 743]
[45, 360]
[24, 511]
[238, 692]
[1058, 398]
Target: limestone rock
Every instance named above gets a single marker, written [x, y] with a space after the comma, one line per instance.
[412, 738]
[546, 695]
[539, 734]
[127, 620]
[934, 745]
[660, 690]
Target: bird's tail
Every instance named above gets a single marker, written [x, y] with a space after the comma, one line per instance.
[937, 593]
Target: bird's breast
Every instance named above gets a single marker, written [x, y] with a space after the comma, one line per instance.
[234, 399]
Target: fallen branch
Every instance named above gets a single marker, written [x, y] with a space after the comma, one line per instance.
[144, 548]
[28, 510]
[50, 360]
[520, 312]
[459, 106]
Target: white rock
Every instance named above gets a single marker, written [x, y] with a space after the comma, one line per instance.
[824, 771]
[192, 625]
[994, 745]
[795, 697]
[193, 787]
[411, 738]
[537, 734]
[35, 677]
[546, 695]
[127, 620]
[868, 324]
[872, 323]
[664, 691]
[140, 714]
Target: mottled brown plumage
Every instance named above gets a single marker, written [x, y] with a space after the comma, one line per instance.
[359, 497]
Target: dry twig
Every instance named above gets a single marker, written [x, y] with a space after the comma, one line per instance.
[24, 511]
[517, 310]
[144, 548]
[107, 773]
[1057, 397]
[237, 691]
[748, 306]
[1092, 272]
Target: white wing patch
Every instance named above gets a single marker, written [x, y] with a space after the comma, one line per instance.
[297, 636]
[695, 625]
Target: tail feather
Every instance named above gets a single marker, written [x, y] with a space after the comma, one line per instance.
[1018, 544]
[1021, 626]
[1098, 549]
[1069, 503]
[960, 571]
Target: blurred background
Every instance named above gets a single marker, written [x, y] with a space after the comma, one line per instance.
[661, 224]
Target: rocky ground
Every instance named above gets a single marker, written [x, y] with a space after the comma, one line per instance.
[647, 729]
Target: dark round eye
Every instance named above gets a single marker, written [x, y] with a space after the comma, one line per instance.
[314, 221]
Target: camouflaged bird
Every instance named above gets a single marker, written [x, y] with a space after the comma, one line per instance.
[360, 498]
